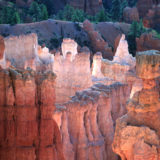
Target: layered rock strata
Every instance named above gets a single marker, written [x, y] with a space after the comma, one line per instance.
[27, 129]
[137, 134]
[87, 121]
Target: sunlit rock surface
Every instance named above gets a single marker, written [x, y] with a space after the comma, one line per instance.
[20, 49]
[72, 74]
[87, 121]
[69, 45]
[122, 64]
[2, 54]
[137, 134]
[27, 130]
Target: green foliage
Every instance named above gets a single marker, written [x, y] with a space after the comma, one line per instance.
[117, 9]
[16, 18]
[44, 12]
[38, 12]
[9, 15]
[77, 15]
[102, 16]
[132, 3]
[136, 30]
[35, 11]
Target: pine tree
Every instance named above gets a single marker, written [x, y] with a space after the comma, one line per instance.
[35, 11]
[136, 30]
[15, 19]
[116, 9]
[102, 16]
[44, 12]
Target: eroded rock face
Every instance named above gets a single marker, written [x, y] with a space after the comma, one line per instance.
[87, 121]
[130, 14]
[137, 134]
[2, 54]
[147, 42]
[69, 45]
[122, 64]
[97, 42]
[28, 131]
[19, 49]
[72, 74]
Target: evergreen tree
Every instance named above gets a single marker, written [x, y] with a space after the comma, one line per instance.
[132, 3]
[78, 16]
[136, 30]
[15, 19]
[116, 9]
[44, 12]
[35, 11]
[102, 16]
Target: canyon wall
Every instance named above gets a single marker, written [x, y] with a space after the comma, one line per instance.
[72, 70]
[87, 121]
[19, 49]
[27, 129]
[137, 134]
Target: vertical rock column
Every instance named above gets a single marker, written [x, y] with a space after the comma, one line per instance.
[27, 130]
[137, 135]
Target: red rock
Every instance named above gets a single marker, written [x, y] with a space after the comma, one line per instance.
[2, 47]
[137, 134]
[86, 123]
[27, 124]
[130, 14]
[147, 42]
[97, 42]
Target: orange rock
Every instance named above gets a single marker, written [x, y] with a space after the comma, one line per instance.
[2, 47]
[137, 134]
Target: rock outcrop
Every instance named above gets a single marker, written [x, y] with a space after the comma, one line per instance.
[72, 70]
[19, 49]
[130, 14]
[87, 121]
[27, 130]
[122, 63]
[137, 134]
[98, 44]
[147, 42]
[2, 54]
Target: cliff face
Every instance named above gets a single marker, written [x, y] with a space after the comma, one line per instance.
[137, 134]
[28, 131]
[87, 121]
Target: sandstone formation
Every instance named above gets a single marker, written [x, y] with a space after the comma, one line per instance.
[147, 42]
[97, 62]
[149, 10]
[137, 134]
[2, 54]
[69, 45]
[19, 49]
[130, 14]
[152, 19]
[72, 74]
[87, 121]
[98, 44]
[122, 64]
[27, 130]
